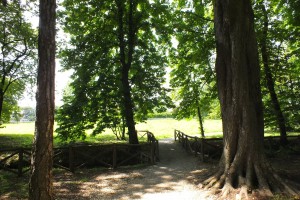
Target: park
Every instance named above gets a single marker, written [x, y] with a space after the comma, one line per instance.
[166, 99]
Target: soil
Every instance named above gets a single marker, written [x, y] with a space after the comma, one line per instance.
[177, 176]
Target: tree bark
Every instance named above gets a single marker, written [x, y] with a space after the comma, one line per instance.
[200, 118]
[41, 186]
[126, 55]
[270, 80]
[1, 106]
[242, 164]
[4, 2]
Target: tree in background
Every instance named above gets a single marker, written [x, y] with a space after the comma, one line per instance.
[243, 164]
[41, 185]
[192, 75]
[278, 35]
[268, 76]
[11, 110]
[118, 53]
[17, 54]
[28, 114]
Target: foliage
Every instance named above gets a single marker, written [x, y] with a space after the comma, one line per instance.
[283, 47]
[17, 55]
[28, 114]
[95, 100]
[11, 109]
[192, 75]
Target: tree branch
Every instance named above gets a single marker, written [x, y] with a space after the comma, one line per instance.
[199, 16]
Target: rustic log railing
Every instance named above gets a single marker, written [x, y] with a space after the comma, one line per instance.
[76, 156]
[198, 146]
[210, 147]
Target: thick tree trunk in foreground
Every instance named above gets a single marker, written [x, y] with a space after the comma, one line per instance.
[40, 186]
[270, 80]
[238, 78]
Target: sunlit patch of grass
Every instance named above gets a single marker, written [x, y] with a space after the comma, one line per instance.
[15, 140]
[18, 128]
[21, 134]
[164, 128]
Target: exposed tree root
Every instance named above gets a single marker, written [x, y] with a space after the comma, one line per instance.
[263, 182]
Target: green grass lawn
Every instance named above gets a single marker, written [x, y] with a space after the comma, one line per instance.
[21, 134]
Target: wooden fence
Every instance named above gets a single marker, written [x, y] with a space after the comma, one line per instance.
[210, 147]
[199, 146]
[76, 156]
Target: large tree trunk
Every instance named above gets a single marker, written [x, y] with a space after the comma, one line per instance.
[238, 78]
[41, 186]
[270, 80]
[126, 55]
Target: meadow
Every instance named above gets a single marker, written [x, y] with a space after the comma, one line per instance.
[21, 134]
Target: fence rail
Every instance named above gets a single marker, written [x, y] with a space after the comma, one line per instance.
[76, 156]
[198, 146]
[210, 147]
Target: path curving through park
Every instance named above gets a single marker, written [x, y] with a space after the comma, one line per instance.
[175, 177]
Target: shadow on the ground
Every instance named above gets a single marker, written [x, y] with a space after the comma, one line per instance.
[176, 171]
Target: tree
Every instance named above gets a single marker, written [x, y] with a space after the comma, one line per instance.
[192, 76]
[118, 53]
[4, 2]
[269, 77]
[17, 53]
[278, 35]
[41, 186]
[28, 113]
[10, 103]
[243, 163]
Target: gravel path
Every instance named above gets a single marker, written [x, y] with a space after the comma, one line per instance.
[175, 177]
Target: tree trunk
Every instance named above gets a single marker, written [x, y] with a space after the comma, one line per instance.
[128, 107]
[242, 164]
[200, 119]
[41, 186]
[4, 2]
[270, 80]
[1, 106]
[126, 55]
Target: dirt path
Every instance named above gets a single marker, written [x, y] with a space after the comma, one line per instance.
[174, 177]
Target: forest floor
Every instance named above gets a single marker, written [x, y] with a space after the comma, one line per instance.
[177, 176]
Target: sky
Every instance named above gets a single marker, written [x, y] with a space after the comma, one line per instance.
[61, 81]
[61, 78]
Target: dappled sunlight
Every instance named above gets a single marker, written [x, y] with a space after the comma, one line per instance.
[174, 177]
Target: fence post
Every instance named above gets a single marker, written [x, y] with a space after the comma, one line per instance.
[157, 149]
[202, 149]
[114, 156]
[175, 138]
[152, 159]
[71, 159]
[20, 162]
[196, 145]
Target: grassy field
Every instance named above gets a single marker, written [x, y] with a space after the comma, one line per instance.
[21, 134]
[16, 135]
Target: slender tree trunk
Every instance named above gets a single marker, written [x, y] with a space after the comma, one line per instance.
[270, 80]
[126, 54]
[4, 2]
[242, 164]
[41, 186]
[1, 106]
[200, 119]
